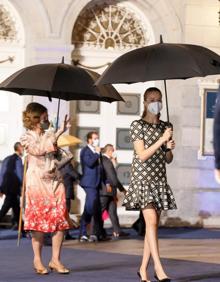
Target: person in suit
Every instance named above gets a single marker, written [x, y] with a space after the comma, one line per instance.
[11, 176]
[108, 193]
[90, 182]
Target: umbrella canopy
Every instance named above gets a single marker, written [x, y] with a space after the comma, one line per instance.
[161, 62]
[68, 140]
[60, 81]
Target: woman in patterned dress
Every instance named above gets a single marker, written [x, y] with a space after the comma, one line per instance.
[45, 202]
[148, 190]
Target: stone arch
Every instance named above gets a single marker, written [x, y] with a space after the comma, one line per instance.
[164, 21]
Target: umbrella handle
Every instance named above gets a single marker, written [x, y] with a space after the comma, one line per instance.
[58, 113]
[49, 96]
[167, 106]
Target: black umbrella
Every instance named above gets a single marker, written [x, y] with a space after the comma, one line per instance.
[61, 81]
[161, 62]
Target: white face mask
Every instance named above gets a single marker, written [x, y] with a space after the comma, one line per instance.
[155, 107]
[44, 124]
[114, 154]
[95, 143]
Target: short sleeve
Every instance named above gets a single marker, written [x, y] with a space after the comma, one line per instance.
[136, 131]
[167, 124]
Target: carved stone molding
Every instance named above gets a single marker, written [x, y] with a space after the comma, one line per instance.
[123, 139]
[124, 173]
[108, 26]
[8, 30]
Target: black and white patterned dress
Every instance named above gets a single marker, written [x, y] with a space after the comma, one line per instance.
[148, 179]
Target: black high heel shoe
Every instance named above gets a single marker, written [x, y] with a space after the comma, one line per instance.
[139, 275]
[162, 280]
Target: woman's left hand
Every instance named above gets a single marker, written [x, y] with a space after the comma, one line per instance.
[171, 145]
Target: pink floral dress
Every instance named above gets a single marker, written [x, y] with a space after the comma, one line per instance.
[45, 201]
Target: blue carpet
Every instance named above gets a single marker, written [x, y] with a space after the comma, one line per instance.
[92, 266]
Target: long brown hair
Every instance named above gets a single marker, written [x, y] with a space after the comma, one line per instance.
[146, 93]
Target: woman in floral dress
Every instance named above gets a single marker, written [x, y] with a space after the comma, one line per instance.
[45, 204]
[148, 190]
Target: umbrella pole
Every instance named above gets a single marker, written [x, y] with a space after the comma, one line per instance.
[167, 106]
[58, 113]
[22, 202]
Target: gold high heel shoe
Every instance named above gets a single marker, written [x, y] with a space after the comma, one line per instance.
[58, 268]
[41, 271]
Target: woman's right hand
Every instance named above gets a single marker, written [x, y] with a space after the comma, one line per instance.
[66, 124]
[167, 135]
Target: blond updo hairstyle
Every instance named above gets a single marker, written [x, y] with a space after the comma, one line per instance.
[31, 116]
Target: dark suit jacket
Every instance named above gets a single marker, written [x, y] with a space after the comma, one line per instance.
[69, 175]
[217, 133]
[11, 175]
[91, 169]
[110, 176]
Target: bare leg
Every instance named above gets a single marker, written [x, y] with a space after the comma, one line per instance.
[146, 253]
[55, 263]
[152, 220]
[158, 220]
[37, 244]
[145, 260]
[57, 240]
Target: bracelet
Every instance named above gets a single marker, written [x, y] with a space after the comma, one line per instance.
[165, 149]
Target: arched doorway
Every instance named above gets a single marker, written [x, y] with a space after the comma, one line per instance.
[102, 32]
[11, 59]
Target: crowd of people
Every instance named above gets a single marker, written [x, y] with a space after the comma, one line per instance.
[49, 186]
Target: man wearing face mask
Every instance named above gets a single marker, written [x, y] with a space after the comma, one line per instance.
[110, 184]
[90, 182]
